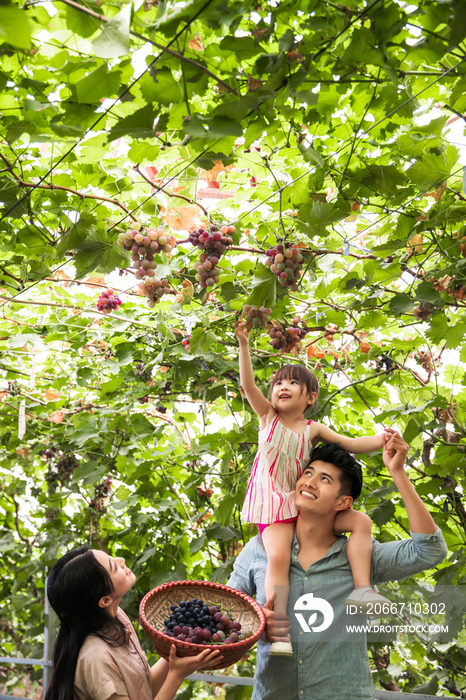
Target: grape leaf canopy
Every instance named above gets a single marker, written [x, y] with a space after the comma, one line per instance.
[167, 169]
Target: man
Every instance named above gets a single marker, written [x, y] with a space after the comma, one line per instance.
[324, 670]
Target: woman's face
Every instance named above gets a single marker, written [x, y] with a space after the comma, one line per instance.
[122, 577]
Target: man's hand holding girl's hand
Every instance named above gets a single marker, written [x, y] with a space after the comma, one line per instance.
[395, 450]
[277, 625]
[190, 664]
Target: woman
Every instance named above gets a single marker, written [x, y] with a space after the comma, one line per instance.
[97, 655]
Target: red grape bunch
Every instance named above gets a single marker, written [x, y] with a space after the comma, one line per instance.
[108, 301]
[285, 261]
[288, 339]
[143, 374]
[103, 489]
[154, 290]
[425, 360]
[255, 316]
[48, 452]
[143, 243]
[101, 494]
[200, 623]
[424, 310]
[185, 342]
[213, 245]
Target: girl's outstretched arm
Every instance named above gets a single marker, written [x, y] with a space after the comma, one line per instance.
[359, 445]
[259, 404]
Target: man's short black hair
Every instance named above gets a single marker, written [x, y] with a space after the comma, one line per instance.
[350, 469]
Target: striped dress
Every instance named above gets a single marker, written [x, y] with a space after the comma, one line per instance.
[279, 463]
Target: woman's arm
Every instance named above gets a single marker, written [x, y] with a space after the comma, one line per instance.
[167, 676]
[259, 404]
[359, 445]
[178, 668]
[158, 675]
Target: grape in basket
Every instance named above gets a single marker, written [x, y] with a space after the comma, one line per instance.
[180, 613]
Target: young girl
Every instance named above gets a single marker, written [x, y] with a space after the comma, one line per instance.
[97, 655]
[285, 441]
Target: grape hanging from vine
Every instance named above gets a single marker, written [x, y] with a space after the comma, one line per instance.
[285, 261]
[213, 243]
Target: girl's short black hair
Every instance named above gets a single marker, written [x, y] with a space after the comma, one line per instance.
[300, 374]
[350, 470]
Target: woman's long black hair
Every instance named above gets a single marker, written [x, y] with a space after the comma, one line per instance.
[75, 585]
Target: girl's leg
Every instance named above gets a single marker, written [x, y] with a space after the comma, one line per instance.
[359, 547]
[359, 552]
[277, 539]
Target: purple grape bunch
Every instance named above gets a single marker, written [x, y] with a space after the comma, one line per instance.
[144, 374]
[256, 317]
[285, 261]
[144, 243]
[213, 243]
[154, 289]
[200, 623]
[108, 301]
[288, 339]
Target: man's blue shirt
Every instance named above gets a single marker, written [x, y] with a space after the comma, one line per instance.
[326, 670]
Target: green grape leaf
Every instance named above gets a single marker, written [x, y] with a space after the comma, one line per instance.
[114, 39]
[97, 84]
[15, 27]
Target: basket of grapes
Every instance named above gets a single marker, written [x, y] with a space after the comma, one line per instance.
[197, 615]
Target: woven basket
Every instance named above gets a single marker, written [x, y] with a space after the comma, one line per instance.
[155, 609]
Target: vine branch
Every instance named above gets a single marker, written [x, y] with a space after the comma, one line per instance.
[24, 539]
[81, 195]
[161, 188]
[75, 308]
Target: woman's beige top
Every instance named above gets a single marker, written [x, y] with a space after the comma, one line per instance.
[103, 670]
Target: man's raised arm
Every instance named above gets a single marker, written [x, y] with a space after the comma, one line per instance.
[393, 561]
[395, 450]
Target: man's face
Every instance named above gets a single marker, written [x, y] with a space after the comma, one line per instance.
[317, 491]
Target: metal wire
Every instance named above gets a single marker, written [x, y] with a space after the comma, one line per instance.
[104, 114]
[349, 141]
[319, 53]
[158, 189]
[345, 29]
[403, 206]
[390, 114]
[89, 129]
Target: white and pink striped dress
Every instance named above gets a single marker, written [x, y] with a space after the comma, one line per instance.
[279, 463]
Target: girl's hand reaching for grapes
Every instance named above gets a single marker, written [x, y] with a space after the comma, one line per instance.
[242, 333]
[183, 667]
